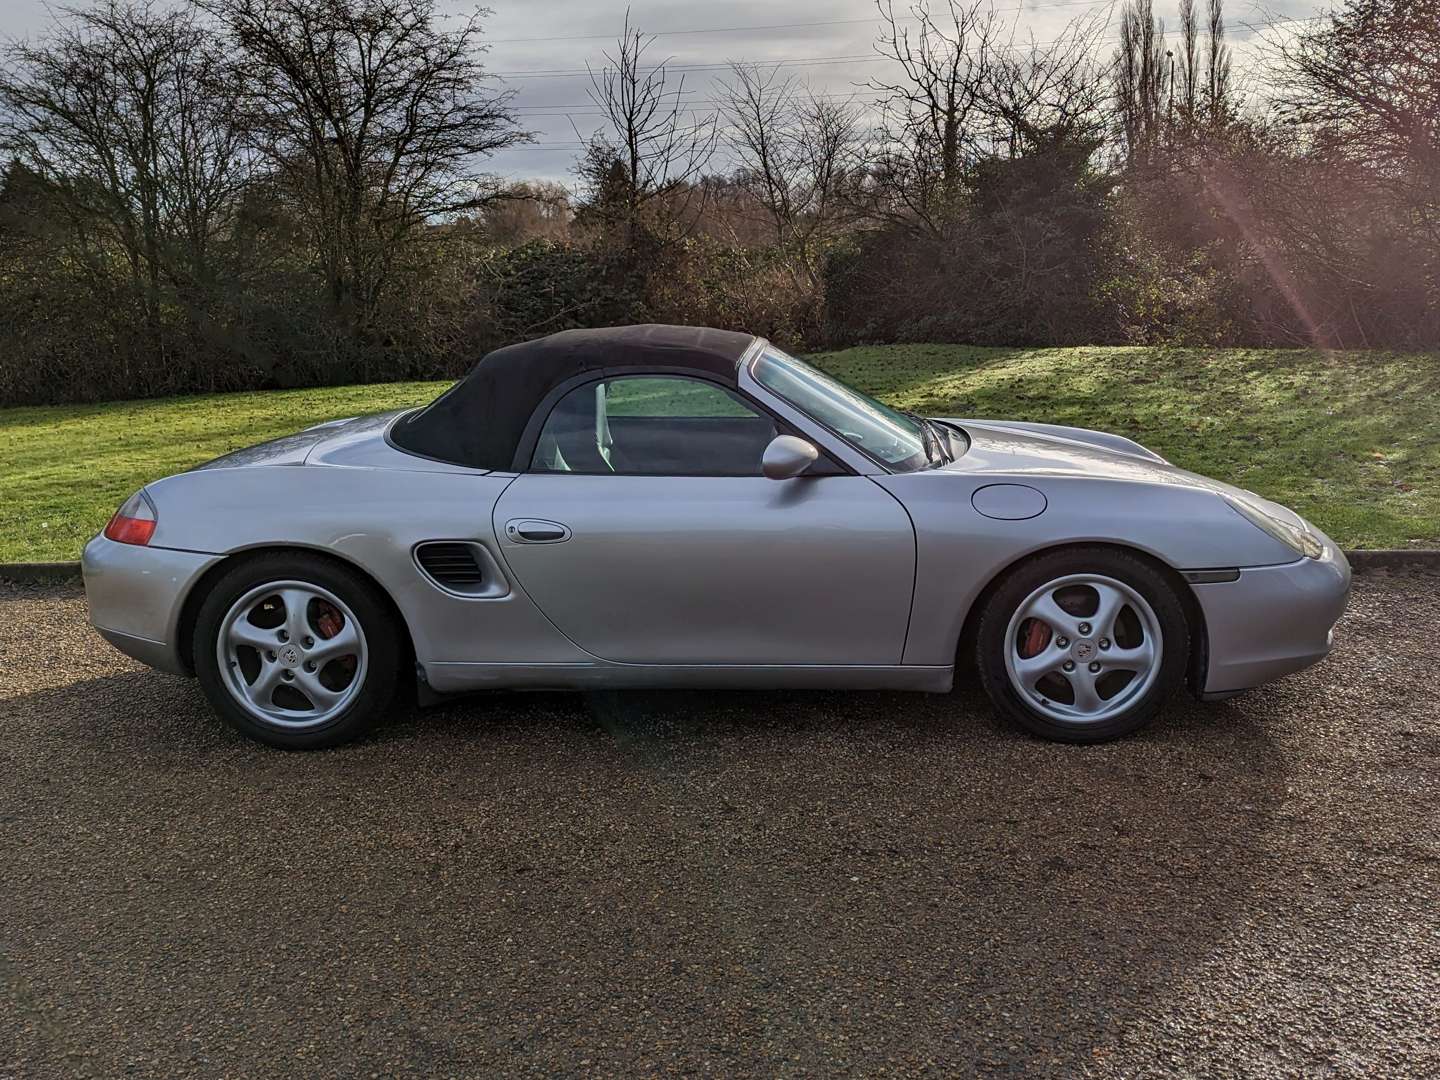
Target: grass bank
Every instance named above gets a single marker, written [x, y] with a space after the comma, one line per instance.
[1351, 440]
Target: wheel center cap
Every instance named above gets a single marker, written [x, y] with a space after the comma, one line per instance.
[1083, 650]
[289, 656]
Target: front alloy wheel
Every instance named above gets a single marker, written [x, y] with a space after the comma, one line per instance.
[1083, 645]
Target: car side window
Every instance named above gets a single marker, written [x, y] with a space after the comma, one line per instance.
[653, 425]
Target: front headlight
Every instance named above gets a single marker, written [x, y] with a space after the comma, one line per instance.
[1296, 537]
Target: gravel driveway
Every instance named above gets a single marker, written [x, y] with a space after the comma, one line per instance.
[722, 883]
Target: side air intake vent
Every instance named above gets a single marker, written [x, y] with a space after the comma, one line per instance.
[454, 566]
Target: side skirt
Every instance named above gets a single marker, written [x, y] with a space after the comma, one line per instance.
[437, 681]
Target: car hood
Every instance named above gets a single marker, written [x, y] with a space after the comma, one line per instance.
[1037, 451]
[1056, 451]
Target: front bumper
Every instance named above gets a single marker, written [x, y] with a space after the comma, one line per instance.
[136, 595]
[1273, 620]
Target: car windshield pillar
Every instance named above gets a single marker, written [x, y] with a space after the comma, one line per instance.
[883, 434]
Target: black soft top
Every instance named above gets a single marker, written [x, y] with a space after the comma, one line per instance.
[480, 420]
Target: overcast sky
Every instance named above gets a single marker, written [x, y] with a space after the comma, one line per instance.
[535, 45]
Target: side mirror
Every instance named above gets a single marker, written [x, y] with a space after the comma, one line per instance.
[787, 456]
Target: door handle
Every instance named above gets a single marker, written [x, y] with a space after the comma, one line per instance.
[535, 531]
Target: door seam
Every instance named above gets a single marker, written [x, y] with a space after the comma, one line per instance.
[914, 564]
[515, 577]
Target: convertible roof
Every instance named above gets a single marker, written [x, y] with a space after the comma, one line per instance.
[479, 421]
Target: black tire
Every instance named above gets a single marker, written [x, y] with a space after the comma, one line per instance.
[382, 640]
[1153, 585]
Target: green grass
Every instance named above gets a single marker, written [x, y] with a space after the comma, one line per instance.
[64, 469]
[1351, 440]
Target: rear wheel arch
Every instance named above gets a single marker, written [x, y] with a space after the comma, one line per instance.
[1194, 616]
[190, 610]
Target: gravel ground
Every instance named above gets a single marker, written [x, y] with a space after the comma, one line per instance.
[722, 883]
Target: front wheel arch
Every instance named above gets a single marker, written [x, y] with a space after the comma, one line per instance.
[1194, 616]
[190, 610]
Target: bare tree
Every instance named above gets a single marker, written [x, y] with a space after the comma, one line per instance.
[124, 111]
[375, 121]
[1163, 100]
[1364, 84]
[1217, 67]
[1140, 80]
[537, 210]
[933, 119]
[644, 164]
[796, 153]
[1046, 91]
[1189, 66]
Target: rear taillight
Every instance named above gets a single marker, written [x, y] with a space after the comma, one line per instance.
[134, 522]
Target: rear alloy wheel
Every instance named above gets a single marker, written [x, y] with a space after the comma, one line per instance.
[1083, 645]
[296, 651]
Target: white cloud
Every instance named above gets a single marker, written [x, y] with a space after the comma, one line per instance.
[570, 29]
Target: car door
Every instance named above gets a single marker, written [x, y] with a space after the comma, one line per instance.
[645, 531]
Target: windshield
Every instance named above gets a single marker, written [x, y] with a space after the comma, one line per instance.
[892, 437]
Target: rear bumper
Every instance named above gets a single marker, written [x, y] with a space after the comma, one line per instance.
[136, 595]
[1272, 621]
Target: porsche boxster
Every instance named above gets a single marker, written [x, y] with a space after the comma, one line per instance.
[664, 506]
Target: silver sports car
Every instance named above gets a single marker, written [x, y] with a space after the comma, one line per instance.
[664, 506]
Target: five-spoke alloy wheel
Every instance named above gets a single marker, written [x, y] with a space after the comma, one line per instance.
[294, 654]
[297, 650]
[1083, 644]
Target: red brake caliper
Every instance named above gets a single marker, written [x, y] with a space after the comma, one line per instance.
[1037, 636]
[328, 622]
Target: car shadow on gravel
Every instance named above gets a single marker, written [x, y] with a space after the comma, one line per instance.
[808, 880]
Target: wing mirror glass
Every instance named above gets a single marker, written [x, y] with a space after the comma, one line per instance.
[787, 456]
